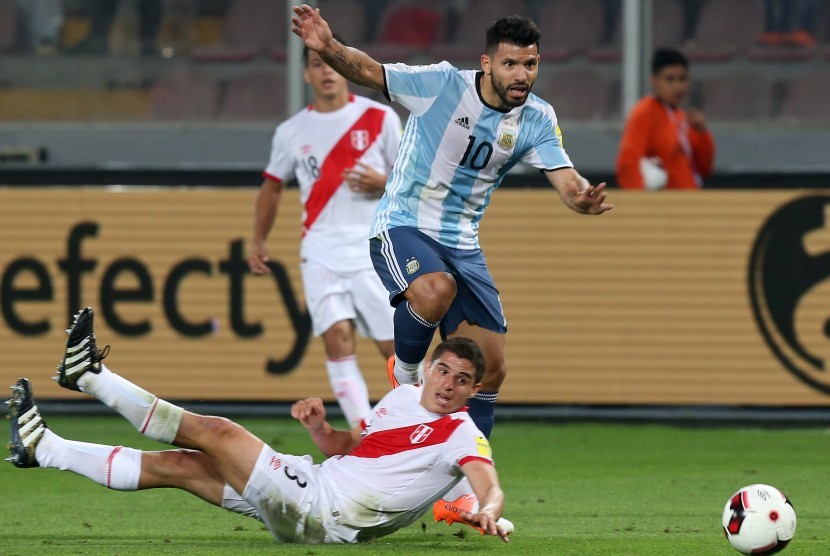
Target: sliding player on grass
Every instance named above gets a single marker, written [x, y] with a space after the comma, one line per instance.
[379, 477]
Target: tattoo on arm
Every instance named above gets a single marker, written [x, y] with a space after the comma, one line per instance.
[352, 65]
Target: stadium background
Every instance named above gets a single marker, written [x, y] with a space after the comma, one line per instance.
[662, 303]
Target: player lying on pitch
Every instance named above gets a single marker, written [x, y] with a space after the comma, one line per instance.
[379, 477]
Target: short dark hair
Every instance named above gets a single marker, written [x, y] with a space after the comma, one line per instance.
[463, 348]
[306, 49]
[514, 29]
[667, 57]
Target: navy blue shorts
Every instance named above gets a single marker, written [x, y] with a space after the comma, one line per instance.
[402, 254]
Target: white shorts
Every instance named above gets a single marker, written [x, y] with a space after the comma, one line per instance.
[357, 296]
[283, 493]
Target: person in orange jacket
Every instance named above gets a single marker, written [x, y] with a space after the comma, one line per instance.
[663, 145]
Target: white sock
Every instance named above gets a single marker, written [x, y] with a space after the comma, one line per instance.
[114, 467]
[349, 387]
[233, 502]
[461, 488]
[150, 415]
[409, 373]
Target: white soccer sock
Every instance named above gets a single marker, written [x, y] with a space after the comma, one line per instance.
[233, 502]
[152, 416]
[461, 488]
[349, 387]
[409, 373]
[114, 467]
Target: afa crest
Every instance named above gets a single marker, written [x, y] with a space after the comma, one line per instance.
[507, 139]
[412, 266]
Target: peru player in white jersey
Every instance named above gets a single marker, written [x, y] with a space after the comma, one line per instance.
[465, 131]
[380, 476]
[340, 150]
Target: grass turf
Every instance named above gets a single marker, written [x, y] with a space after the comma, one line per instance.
[572, 489]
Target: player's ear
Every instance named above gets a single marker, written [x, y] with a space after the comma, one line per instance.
[485, 64]
[476, 388]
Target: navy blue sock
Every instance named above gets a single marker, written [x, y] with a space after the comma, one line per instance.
[482, 409]
[413, 334]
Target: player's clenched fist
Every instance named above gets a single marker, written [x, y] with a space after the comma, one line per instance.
[310, 412]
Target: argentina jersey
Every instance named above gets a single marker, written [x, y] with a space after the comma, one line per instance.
[456, 150]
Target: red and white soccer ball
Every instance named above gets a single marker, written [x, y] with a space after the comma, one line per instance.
[758, 519]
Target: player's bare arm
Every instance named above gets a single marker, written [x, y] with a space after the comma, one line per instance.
[265, 212]
[577, 192]
[485, 483]
[353, 64]
[332, 442]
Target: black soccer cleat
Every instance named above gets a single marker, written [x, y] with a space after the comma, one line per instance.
[27, 425]
[82, 354]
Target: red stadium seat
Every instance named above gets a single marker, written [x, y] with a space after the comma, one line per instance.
[778, 54]
[737, 96]
[805, 98]
[256, 96]
[250, 28]
[571, 27]
[407, 30]
[346, 18]
[579, 94]
[667, 23]
[9, 23]
[185, 94]
[725, 29]
[467, 46]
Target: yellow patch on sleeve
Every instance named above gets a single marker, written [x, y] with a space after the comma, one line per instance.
[558, 133]
[483, 446]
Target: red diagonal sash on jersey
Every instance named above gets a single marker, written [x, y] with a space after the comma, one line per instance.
[342, 156]
[395, 441]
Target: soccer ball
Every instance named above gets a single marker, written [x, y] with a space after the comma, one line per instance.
[758, 519]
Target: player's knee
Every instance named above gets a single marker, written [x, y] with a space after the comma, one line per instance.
[434, 294]
[339, 340]
[218, 429]
[494, 375]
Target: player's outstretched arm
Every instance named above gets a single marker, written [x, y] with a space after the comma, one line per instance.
[332, 442]
[353, 64]
[485, 483]
[577, 193]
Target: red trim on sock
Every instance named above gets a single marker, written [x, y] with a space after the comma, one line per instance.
[109, 464]
[339, 359]
[150, 416]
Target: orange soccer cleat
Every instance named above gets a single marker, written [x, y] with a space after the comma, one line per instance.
[460, 509]
[390, 371]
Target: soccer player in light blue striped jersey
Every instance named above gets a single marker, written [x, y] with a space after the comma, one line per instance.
[466, 130]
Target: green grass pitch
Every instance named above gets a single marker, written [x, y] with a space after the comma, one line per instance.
[572, 489]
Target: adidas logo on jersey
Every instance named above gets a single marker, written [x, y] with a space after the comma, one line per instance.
[463, 122]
